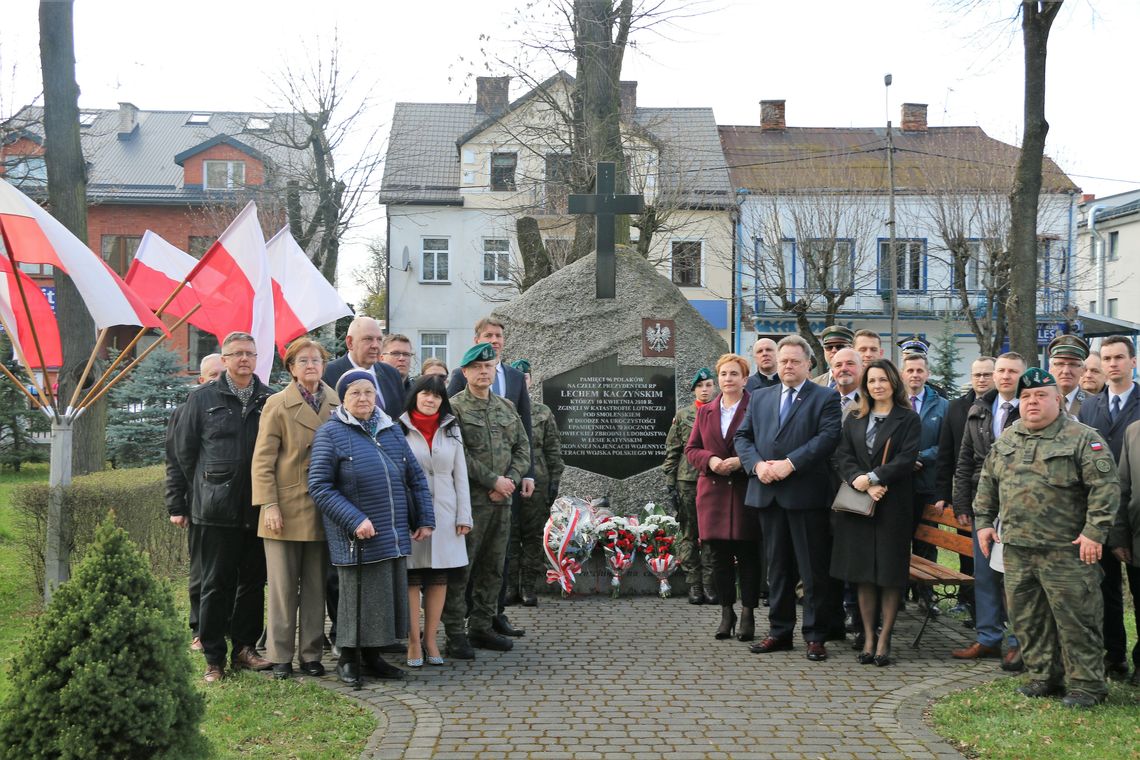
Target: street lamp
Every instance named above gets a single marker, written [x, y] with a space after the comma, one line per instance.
[894, 263]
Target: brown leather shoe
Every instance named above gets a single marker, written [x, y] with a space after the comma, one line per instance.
[196, 645]
[248, 659]
[976, 651]
[1012, 661]
[214, 673]
[816, 651]
[770, 644]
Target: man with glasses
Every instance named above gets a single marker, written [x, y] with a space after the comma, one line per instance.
[397, 352]
[1067, 354]
[213, 443]
[833, 338]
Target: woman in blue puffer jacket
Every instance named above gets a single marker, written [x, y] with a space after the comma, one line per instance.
[375, 500]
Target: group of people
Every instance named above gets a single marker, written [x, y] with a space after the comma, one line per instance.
[1025, 457]
[364, 494]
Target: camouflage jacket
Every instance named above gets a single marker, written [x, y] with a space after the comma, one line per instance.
[547, 448]
[494, 442]
[1049, 485]
[676, 466]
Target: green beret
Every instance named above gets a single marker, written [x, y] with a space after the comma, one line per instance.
[837, 334]
[1035, 377]
[914, 345]
[704, 373]
[480, 352]
[1068, 345]
[522, 365]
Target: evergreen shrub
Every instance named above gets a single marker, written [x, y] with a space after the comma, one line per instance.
[105, 672]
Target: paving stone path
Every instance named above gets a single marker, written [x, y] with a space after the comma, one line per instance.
[644, 678]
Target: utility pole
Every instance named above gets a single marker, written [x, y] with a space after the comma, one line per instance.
[894, 265]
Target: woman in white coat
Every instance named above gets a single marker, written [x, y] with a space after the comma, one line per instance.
[433, 436]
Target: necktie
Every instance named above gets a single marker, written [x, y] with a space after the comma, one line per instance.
[872, 426]
[844, 401]
[914, 403]
[1006, 408]
[1115, 408]
[497, 386]
[786, 407]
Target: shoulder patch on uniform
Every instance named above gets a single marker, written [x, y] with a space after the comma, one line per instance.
[1096, 445]
[1103, 465]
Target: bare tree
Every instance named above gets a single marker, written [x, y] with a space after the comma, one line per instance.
[372, 276]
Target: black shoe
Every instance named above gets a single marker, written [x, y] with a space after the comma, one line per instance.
[711, 597]
[314, 668]
[747, 624]
[377, 667]
[1081, 700]
[696, 595]
[770, 644]
[727, 623]
[1116, 671]
[347, 673]
[490, 640]
[282, 670]
[1037, 689]
[459, 648]
[396, 648]
[500, 624]
[529, 599]
[968, 623]
[883, 660]
[865, 658]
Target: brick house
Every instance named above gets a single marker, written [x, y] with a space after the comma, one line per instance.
[182, 174]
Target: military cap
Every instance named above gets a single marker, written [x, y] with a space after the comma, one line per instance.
[1035, 377]
[354, 376]
[522, 365]
[914, 345]
[480, 352]
[837, 334]
[704, 373]
[1068, 345]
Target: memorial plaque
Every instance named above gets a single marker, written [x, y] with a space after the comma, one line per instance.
[612, 420]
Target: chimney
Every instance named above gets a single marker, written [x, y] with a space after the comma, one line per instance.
[772, 115]
[628, 91]
[1087, 198]
[913, 117]
[128, 120]
[491, 95]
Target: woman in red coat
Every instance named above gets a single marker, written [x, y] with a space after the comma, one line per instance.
[730, 529]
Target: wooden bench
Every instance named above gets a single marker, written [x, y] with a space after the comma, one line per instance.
[940, 529]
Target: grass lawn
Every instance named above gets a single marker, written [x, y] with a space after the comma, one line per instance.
[248, 716]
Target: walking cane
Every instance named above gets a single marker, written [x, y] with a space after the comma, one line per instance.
[359, 565]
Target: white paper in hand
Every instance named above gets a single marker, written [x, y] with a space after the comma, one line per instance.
[997, 551]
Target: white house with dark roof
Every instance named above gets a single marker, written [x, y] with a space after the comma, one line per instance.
[459, 175]
[1110, 252]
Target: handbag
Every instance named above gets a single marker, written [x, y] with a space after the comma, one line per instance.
[849, 499]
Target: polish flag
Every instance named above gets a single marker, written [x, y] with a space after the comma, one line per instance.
[33, 236]
[232, 282]
[16, 318]
[157, 269]
[303, 299]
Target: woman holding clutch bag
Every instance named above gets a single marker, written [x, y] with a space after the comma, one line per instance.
[876, 455]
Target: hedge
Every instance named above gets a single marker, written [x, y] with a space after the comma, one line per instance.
[134, 495]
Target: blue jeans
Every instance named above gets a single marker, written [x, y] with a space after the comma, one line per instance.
[989, 601]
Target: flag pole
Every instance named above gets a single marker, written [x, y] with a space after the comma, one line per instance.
[28, 368]
[31, 322]
[87, 369]
[127, 369]
[35, 402]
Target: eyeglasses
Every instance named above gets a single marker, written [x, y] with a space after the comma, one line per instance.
[241, 355]
[399, 354]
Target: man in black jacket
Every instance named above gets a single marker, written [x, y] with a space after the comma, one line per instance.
[213, 442]
[365, 343]
[764, 352]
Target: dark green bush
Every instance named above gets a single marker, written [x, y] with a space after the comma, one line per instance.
[105, 673]
[135, 495]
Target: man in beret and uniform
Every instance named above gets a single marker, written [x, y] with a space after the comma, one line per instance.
[526, 563]
[681, 482]
[833, 338]
[1052, 483]
[498, 457]
[1067, 355]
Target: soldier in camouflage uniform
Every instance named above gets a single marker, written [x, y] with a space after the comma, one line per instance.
[498, 456]
[1052, 483]
[681, 481]
[526, 533]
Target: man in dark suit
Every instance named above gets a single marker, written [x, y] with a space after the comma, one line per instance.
[786, 442]
[397, 352]
[764, 352]
[510, 384]
[364, 343]
[1110, 412]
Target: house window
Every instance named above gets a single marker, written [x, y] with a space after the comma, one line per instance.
[1113, 311]
[1113, 246]
[37, 270]
[119, 251]
[28, 169]
[503, 171]
[201, 344]
[687, 263]
[434, 260]
[199, 118]
[433, 344]
[834, 259]
[223, 175]
[979, 253]
[557, 183]
[199, 244]
[910, 255]
[257, 124]
[87, 118]
[496, 261]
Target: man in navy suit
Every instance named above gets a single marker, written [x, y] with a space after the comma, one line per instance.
[1110, 412]
[364, 343]
[786, 441]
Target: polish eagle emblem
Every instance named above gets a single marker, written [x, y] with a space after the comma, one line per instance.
[658, 337]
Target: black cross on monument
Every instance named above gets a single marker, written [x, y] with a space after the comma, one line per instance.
[605, 205]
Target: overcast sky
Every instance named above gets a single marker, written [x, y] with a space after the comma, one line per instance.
[826, 58]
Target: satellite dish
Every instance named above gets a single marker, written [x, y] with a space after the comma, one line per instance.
[405, 260]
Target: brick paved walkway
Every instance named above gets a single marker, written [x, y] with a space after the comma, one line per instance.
[594, 677]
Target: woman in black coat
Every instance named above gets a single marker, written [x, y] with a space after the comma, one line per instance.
[874, 552]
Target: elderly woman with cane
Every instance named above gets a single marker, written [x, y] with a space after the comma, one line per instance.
[375, 501]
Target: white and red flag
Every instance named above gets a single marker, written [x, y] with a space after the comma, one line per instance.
[33, 236]
[16, 317]
[156, 272]
[303, 299]
[232, 282]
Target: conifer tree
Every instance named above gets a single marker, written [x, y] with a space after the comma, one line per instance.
[18, 420]
[946, 357]
[140, 408]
